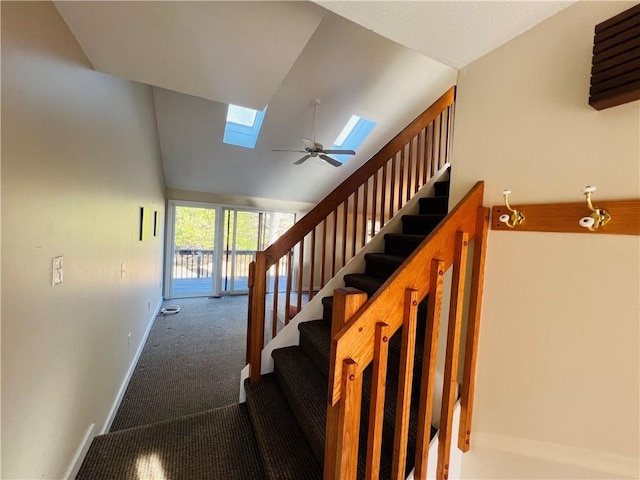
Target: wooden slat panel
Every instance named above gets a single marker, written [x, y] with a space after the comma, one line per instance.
[405, 380]
[429, 360]
[564, 217]
[257, 309]
[617, 70]
[383, 304]
[629, 92]
[451, 358]
[622, 36]
[619, 20]
[473, 329]
[598, 88]
[616, 51]
[629, 56]
[376, 408]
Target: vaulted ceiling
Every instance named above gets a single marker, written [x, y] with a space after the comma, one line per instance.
[201, 56]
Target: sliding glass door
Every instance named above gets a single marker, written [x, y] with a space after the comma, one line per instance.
[210, 247]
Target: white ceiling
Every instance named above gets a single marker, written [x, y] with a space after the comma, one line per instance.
[452, 32]
[200, 56]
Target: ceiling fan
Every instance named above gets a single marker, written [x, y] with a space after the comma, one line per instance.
[315, 149]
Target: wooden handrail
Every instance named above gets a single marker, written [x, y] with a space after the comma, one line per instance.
[317, 214]
[356, 344]
[395, 173]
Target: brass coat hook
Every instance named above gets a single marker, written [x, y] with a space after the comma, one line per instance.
[516, 217]
[598, 218]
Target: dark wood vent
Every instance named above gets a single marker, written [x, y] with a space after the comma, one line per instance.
[615, 72]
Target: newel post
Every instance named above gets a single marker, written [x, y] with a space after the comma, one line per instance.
[258, 292]
[343, 418]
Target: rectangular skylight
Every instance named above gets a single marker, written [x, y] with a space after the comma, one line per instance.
[243, 126]
[352, 136]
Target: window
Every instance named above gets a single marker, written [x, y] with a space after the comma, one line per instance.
[243, 126]
[352, 135]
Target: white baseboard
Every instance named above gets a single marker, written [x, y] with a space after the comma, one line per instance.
[78, 458]
[132, 367]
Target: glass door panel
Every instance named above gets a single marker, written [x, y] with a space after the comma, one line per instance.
[193, 262]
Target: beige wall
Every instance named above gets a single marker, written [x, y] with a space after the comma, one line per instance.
[80, 157]
[558, 368]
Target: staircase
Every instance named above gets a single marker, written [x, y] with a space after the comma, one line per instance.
[288, 408]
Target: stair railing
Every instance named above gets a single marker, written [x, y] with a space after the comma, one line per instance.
[361, 330]
[325, 239]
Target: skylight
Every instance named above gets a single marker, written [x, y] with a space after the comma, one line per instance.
[352, 135]
[243, 126]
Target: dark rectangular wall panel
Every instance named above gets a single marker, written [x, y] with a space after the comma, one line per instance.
[615, 71]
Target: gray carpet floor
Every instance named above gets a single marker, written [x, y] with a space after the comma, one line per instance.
[190, 363]
[212, 445]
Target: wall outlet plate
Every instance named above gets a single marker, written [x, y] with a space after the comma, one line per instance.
[56, 271]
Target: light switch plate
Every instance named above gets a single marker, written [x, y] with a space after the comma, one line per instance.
[56, 271]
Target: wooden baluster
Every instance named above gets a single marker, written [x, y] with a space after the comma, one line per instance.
[451, 358]
[313, 263]
[344, 231]
[374, 203]
[287, 302]
[343, 418]
[354, 231]
[473, 329]
[443, 137]
[274, 319]
[300, 275]
[365, 211]
[405, 378]
[401, 179]
[392, 187]
[257, 313]
[252, 267]
[432, 156]
[429, 359]
[416, 159]
[376, 407]
[421, 156]
[335, 242]
[383, 194]
[324, 251]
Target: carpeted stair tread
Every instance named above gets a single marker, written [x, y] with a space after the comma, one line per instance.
[366, 283]
[216, 444]
[306, 391]
[382, 265]
[278, 434]
[434, 205]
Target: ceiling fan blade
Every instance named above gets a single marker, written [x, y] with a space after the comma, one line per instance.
[330, 160]
[302, 160]
[297, 151]
[340, 152]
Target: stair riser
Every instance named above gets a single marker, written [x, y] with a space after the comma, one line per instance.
[398, 247]
[441, 189]
[379, 269]
[419, 225]
[434, 205]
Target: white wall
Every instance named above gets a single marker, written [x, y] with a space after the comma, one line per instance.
[558, 376]
[80, 157]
